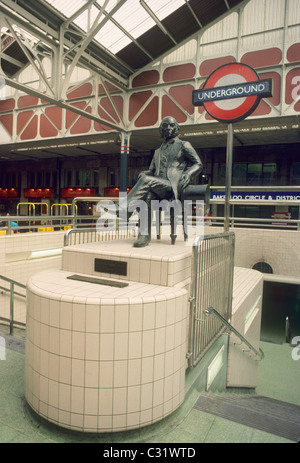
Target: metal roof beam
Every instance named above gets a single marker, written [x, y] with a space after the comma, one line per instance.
[50, 36]
[158, 22]
[52, 100]
[79, 12]
[11, 60]
[193, 13]
[31, 56]
[81, 46]
[25, 19]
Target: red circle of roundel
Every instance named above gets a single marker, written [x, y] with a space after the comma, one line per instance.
[249, 104]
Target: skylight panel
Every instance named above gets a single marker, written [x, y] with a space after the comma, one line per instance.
[132, 18]
[66, 7]
[87, 18]
[112, 38]
[163, 8]
[111, 4]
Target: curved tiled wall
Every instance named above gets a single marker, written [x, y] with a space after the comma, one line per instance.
[103, 359]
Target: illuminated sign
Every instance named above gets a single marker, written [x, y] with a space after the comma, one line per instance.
[77, 192]
[257, 195]
[232, 92]
[38, 192]
[113, 192]
[262, 88]
[9, 193]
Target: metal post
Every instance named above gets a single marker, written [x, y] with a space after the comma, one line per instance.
[74, 212]
[125, 136]
[228, 176]
[8, 227]
[192, 301]
[11, 317]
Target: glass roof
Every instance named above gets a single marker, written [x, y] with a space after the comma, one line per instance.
[129, 21]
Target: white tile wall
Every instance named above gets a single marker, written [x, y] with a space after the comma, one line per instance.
[168, 266]
[247, 294]
[115, 365]
[278, 248]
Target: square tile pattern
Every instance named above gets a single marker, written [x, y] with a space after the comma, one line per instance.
[100, 358]
[242, 369]
[161, 264]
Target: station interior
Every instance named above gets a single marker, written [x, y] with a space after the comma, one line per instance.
[181, 341]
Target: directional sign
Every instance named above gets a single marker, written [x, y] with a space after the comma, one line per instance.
[232, 92]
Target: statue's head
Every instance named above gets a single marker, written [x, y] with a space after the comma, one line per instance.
[168, 128]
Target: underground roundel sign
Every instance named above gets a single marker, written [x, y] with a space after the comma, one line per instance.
[232, 92]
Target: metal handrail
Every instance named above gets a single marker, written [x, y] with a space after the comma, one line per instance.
[258, 187]
[32, 223]
[85, 232]
[255, 220]
[33, 205]
[211, 310]
[61, 206]
[11, 320]
[72, 231]
[211, 284]
[94, 199]
[10, 280]
[287, 224]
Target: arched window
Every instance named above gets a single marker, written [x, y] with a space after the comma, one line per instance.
[263, 267]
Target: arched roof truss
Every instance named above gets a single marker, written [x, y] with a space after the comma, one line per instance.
[110, 39]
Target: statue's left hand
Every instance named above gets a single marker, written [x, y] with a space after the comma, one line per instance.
[184, 181]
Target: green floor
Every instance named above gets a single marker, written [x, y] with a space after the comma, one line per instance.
[279, 378]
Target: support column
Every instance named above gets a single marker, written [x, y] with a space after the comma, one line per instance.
[125, 137]
[228, 177]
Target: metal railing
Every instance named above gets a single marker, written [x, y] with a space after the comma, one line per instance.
[285, 224]
[211, 286]
[29, 224]
[45, 223]
[259, 353]
[87, 199]
[76, 236]
[12, 293]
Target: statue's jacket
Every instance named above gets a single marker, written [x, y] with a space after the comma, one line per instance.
[181, 158]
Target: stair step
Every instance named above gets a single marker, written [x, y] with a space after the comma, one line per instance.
[259, 412]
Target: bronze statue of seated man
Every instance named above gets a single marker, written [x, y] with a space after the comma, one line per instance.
[172, 169]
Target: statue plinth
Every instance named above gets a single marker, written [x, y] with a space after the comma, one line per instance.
[106, 346]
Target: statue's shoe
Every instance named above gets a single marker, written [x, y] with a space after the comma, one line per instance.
[143, 240]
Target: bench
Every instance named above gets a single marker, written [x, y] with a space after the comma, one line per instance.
[191, 193]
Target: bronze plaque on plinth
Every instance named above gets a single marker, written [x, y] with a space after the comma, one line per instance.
[98, 281]
[115, 267]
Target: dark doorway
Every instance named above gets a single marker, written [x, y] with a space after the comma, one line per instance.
[280, 300]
